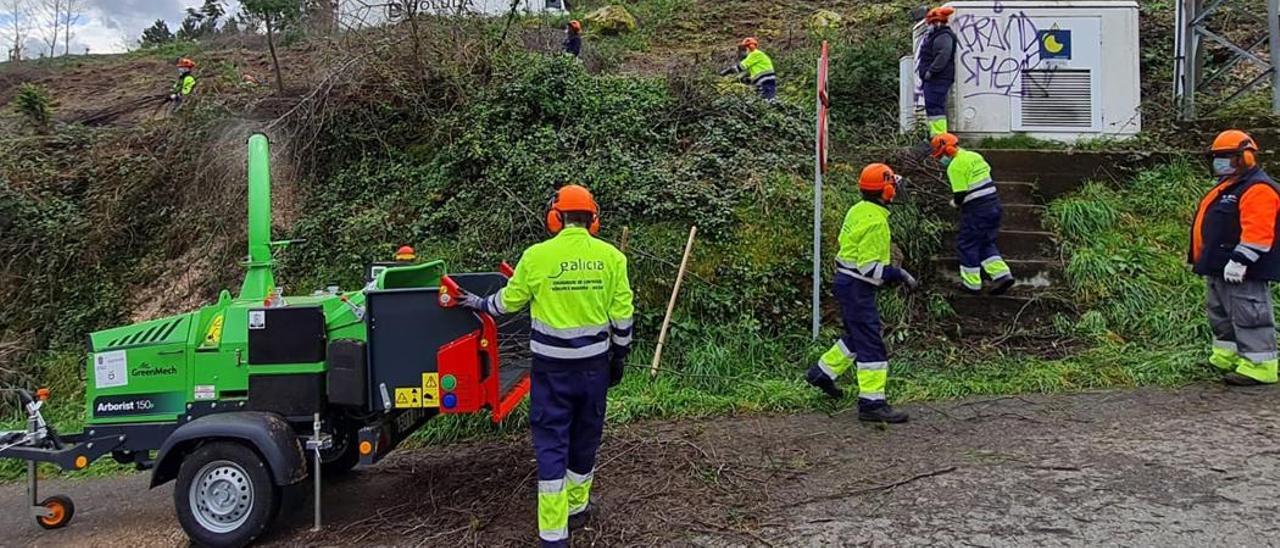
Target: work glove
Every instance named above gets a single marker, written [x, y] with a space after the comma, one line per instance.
[908, 280]
[472, 301]
[173, 97]
[1234, 272]
[728, 71]
[928, 75]
[617, 367]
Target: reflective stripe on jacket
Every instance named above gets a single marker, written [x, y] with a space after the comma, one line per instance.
[579, 296]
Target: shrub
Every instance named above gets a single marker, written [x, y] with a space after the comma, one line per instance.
[34, 104]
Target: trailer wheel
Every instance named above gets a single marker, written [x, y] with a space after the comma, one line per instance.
[343, 455]
[224, 495]
[60, 509]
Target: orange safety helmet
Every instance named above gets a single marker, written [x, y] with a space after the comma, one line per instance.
[185, 63]
[575, 25]
[1235, 142]
[879, 178]
[405, 253]
[945, 144]
[572, 198]
[750, 43]
[939, 15]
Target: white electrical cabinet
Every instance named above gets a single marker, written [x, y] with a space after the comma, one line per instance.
[1057, 70]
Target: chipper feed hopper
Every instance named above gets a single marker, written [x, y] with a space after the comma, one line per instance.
[259, 391]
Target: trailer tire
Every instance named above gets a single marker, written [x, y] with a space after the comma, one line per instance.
[344, 455]
[225, 495]
[61, 510]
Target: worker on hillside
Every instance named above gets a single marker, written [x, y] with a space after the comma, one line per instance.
[573, 38]
[974, 194]
[185, 84]
[405, 254]
[758, 68]
[581, 305]
[937, 68]
[862, 267]
[1232, 242]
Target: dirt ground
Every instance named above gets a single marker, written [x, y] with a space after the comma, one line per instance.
[1196, 466]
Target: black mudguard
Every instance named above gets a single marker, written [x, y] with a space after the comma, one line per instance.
[269, 434]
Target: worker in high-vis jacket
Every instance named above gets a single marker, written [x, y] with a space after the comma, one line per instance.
[581, 308]
[974, 193]
[862, 268]
[186, 82]
[1232, 246]
[937, 68]
[758, 68]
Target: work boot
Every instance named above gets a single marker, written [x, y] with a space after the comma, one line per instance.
[969, 290]
[881, 413]
[818, 378]
[1236, 379]
[1002, 286]
[583, 518]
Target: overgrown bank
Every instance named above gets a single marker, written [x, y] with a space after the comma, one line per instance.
[459, 157]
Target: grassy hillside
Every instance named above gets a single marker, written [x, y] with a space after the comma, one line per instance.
[452, 141]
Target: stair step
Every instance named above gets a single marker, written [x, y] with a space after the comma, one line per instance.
[1016, 192]
[998, 310]
[1032, 274]
[1021, 244]
[1016, 216]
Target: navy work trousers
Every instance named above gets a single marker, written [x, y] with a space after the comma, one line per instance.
[566, 414]
[979, 227]
[935, 97]
[861, 318]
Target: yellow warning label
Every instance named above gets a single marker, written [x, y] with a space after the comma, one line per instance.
[214, 335]
[408, 397]
[431, 390]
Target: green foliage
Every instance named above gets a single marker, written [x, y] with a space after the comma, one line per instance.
[34, 104]
[1128, 247]
[157, 34]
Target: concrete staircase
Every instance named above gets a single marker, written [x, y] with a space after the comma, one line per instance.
[1027, 182]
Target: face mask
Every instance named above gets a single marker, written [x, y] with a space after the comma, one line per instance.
[1223, 167]
[946, 161]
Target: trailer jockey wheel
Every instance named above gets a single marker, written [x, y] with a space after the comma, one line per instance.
[60, 510]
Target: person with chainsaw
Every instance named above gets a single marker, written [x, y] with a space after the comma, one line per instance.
[1232, 246]
[185, 84]
[581, 307]
[573, 38]
[758, 68]
[975, 195]
[862, 268]
[937, 68]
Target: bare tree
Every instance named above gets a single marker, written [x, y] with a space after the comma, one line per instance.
[19, 26]
[51, 19]
[72, 13]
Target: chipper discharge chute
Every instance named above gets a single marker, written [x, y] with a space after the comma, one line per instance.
[258, 391]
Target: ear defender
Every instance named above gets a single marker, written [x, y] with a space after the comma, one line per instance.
[890, 188]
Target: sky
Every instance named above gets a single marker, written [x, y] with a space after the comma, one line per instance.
[109, 26]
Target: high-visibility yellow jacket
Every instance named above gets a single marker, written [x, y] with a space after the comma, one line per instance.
[865, 245]
[970, 177]
[578, 293]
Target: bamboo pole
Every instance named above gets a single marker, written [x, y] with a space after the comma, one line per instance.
[671, 305]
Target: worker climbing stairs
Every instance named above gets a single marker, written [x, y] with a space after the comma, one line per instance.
[1027, 182]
